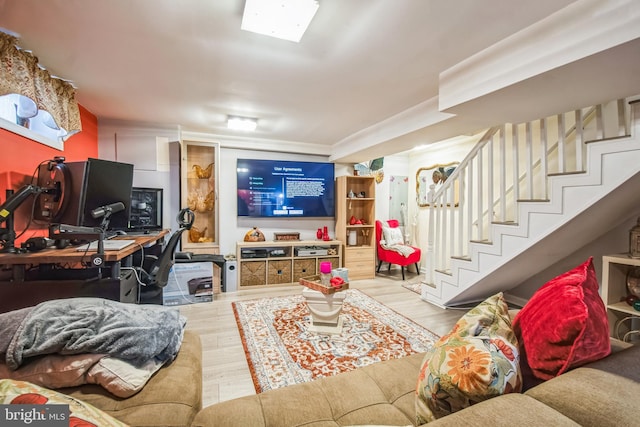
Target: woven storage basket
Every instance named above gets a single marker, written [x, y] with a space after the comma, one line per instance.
[279, 272]
[303, 267]
[253, 273]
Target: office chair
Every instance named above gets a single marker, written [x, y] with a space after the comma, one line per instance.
[154, 273]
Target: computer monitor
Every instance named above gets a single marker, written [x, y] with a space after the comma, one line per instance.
[96, 183]
[106, 183]
[146, 209]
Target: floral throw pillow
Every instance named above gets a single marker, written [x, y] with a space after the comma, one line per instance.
[477, 360]
[81, 413]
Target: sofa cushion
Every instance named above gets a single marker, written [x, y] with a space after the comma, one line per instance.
[381, 393]
[477, 360]
[13, 392]
[53, 370]
[602, 393]
[119, 377]
[171, 397]
[507, 411]
[564, 324]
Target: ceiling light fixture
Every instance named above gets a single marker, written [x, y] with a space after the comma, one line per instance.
[283, 19]
[247, 124]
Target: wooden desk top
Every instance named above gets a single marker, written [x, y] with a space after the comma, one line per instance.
[70, 254]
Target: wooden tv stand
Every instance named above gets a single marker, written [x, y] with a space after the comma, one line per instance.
[284, 262]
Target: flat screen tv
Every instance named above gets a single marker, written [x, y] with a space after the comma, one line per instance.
[285, 189]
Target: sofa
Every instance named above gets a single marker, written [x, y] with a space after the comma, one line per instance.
[550, 363]
[602, 393]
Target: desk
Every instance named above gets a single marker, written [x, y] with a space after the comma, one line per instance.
[62, 273]
[71, 256]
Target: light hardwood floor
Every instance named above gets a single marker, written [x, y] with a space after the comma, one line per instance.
[225, 370]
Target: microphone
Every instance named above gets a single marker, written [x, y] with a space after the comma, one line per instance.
[107, 209]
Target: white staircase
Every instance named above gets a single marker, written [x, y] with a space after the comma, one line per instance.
[528, 195]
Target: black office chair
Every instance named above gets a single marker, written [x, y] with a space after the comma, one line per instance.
[154, 273]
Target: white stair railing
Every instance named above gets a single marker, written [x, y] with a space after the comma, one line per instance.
[511, 163]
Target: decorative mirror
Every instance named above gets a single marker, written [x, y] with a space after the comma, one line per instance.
[434, 175]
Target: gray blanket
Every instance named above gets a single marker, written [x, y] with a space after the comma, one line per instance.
[135, 333]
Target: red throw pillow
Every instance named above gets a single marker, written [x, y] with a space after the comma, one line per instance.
[564, 324]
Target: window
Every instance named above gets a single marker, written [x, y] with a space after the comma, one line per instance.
[17, 116]
[32, 102]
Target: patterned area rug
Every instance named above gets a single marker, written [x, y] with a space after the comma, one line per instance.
[413, 287]
[282, 351]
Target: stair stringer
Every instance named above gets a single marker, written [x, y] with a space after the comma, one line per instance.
[609, 165]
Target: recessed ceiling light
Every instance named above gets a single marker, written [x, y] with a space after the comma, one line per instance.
[248, 124]
[283, 19]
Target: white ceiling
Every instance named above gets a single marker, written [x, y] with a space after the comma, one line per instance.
[186, 62]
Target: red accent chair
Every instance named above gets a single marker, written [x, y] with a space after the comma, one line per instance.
[393, 257]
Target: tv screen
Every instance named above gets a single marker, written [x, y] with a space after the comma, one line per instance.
[285, 189]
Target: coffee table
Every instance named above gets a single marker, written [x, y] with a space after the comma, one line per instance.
[325, 305]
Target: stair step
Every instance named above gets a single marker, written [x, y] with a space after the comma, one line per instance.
[611, 138]
[566, 173]
[504, 223]
[534, 200]
[462, 257]
[447, 272]
[484, 242]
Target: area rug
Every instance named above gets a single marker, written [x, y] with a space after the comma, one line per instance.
[282, 351]
[413, 287]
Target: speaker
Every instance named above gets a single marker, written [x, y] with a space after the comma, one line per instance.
[230, 277]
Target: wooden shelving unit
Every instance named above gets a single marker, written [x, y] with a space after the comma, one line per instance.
[199, 192]
[615, 269]
[359, 259]
[284, 262]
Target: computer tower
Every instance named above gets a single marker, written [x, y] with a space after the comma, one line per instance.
[230, 278]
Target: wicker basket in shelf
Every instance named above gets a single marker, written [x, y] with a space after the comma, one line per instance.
[279, 272]
[253, 273]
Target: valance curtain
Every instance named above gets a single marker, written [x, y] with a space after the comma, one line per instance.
[21, 74]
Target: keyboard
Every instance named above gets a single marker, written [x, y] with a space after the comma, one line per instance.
[109, 245]
[142, 232]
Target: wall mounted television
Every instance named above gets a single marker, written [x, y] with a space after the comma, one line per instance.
[285, 189]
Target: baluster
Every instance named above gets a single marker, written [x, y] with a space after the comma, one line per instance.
[599, 122]
[503, 175]
[480, 196]
[579, 140]
[561, 134]
[516, 163]
[543, 156]
[623, 123]
[490, 203]
[529, 158]
[470, 187]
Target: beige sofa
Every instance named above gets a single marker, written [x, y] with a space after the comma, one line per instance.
[602, 393]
